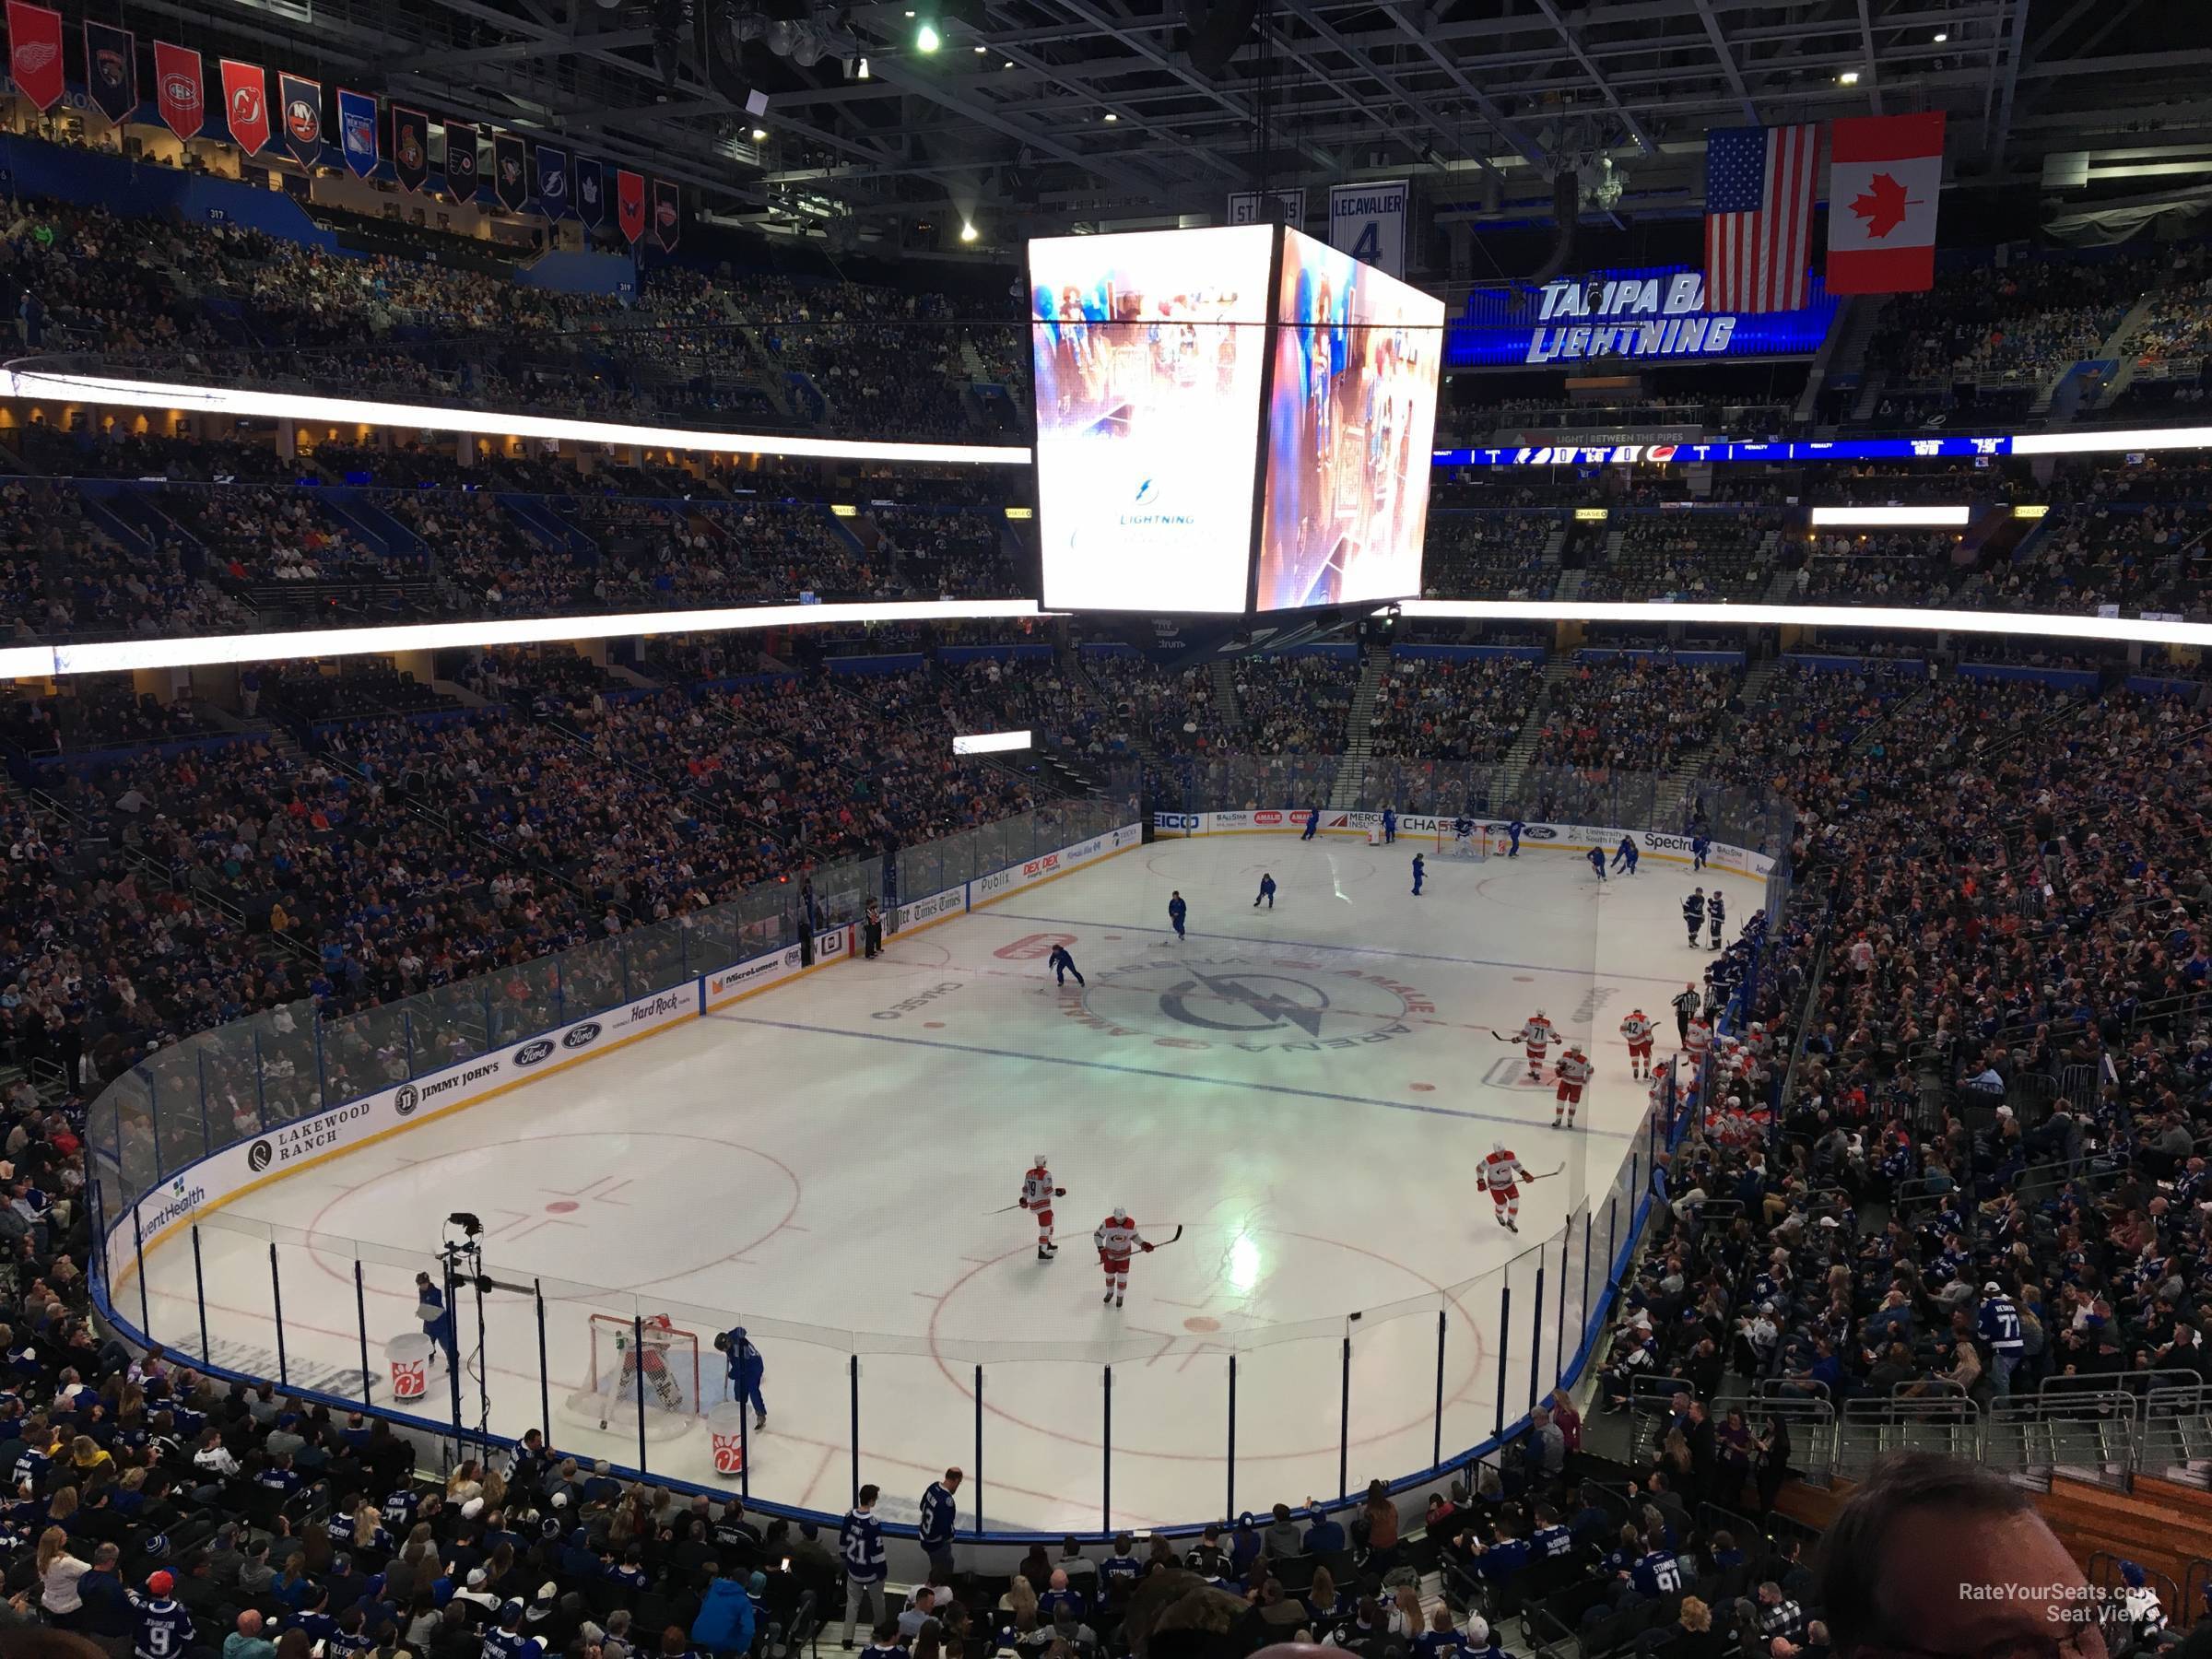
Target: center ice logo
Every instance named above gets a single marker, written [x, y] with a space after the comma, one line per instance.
[1251, 1002]
[1243, 1002]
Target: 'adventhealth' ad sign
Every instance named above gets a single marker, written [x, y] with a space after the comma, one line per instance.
[1655, 312]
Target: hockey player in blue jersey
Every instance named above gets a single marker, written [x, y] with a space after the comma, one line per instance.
[1716, 913]
[1699, 846]
[1420, 869]
[1061, 965]
[1596, 856]
[437, 1318]
[1177, 911]
[1513, 830]
[1626, 854]
[1266, 891]
[1390, 825]
[746, 1370]
[1313, 825]
[1693, 913]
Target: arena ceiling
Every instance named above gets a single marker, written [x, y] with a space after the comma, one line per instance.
[1045, 113]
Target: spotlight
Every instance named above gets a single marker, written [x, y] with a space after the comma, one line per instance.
[981, 50]
[1111, 116]
[926, 39]
[968, 232]
[807, 50]
[760, 134]
[1850, 78]
[1941, 35]
[862, 73]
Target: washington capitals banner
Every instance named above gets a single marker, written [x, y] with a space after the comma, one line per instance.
[591, 193]
[111, 70]
[630, 202]
[357, 131]
[509, 181]
[302, 117]
[246, 105]
[667, 215]
[552, 181]
[410, 147]
[177, 88]
[35, 52]
[460, 176]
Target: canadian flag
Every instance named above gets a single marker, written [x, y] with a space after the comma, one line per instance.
[1884, 173]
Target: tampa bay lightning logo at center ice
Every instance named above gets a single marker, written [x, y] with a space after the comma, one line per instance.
[1250, 1002]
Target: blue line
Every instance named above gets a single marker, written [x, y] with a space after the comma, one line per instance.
[1410, 956]
[1145, 1071]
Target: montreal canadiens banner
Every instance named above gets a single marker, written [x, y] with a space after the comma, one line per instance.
[111, 71]
[461, 174]
[302, 117]
[667, 215]
[246, 105]
[35, 52]
[410, 147]
[357, 131]
[591, 193]
[510, 177]
[177, 89]
[630, 202]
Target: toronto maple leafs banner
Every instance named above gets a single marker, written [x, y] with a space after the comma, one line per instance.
[302, 117]
[111, 71]
[357, 131]
[591, 193]
[552, 181]
[410, 147]
[462, 176]
[510, 182]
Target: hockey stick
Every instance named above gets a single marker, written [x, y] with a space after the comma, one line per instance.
[1161, 1243]
[1002, 1209]
[1546, 1176]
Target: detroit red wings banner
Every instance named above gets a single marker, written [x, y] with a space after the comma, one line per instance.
[246, 105]
[630, 202]
[35, 52]
[177, 88]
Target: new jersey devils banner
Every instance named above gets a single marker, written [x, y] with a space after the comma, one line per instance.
[410, 147]
[591, 193]
[177, 88]
[34, 52]
[667, 215]
[111, 70]
[246, 105]
[552, 181]
[630, 202]
[461, 175]
[302, 117]
[357, 131]
[510, 177]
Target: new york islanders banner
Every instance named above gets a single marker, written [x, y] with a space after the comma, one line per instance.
[246, 105]
[667, 215]
[461, 175]
[552, 181]
[302, 117]
[357, 131]
[591, 193]
[34, 52]
[630, 202]
[111, 71]
[410, 147]
[177, 89]
[510, 178]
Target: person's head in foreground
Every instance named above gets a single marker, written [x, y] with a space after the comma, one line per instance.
[1937, 1559]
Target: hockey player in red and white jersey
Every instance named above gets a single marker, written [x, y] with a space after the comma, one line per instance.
[1500, 1174]
[1696, 1042]
[647, 1366]
[1637, 1030]
[1118, 1239]
[1572, 1072]
[1535, 1037]
[1037, 1194]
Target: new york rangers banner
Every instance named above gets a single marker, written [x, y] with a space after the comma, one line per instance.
[177, 88]
[246, 105]
[510, 181]
[552, 181]
[34, 52]
[410, 147]
[302, 117]
[667, 215]
[591, 193]
[111, 70]
[461, 175]
[357, 131]
[630, 202]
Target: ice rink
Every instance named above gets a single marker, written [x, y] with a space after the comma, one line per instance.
[1305, 1090]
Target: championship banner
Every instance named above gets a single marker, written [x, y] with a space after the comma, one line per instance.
[357, 131]
[177, 89]
[410, 147]
[302, 117]
[1367, 221]
[552, 181]
[630, 202]
[462, 176]
[667, 215]
[35, 52]
[591, 193]
[111, 71]
[509, 182]
[246, 105]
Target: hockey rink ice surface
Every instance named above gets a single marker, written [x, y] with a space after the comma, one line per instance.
[1306, 1090]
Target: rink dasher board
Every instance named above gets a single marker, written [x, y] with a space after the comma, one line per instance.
[207, 1184]
[1534, 838]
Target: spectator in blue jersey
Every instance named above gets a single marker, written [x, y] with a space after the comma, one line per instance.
[1058, 1597]
[860, 1542]
[1998, 1325]
[509, 1641]
[1325, 1537]
[940, 1512]
[745, 1368]
[1120, 1573]
[883, 1641]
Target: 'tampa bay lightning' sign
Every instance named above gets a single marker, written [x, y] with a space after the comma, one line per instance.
[1657, 312]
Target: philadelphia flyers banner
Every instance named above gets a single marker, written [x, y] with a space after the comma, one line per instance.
[302, 117]
[461, 175]
[630, 202]
[111, 71]
[667, 215]
[177, 88]
[35, 52]
[246, 105]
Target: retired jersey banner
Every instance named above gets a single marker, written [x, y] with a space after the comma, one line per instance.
[510, 181]
[591, 193]
[667, 215]
[357, 131]
[630, 202]
[462, 176]
[35, 52]
[246, 105]
[410, 147]
[552, 181]
[177, 89]
[302, 113]
[1367, 221]
[111, 71]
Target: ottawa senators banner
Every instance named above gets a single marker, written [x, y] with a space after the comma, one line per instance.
[410, 147]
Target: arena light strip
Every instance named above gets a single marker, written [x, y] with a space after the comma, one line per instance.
[989, 743]
[1870, 517]
[2126, 630]
[116, 656]
[291, 406]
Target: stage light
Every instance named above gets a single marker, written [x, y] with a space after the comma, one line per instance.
[926, 39]
[968, 233]
[1111, 116]
[760, 134]
[1941, 35]
[1850, 78]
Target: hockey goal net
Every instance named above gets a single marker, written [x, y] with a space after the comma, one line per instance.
[1476, 844]
[663, 1371]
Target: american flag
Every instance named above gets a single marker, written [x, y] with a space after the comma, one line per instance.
[1759, 217]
